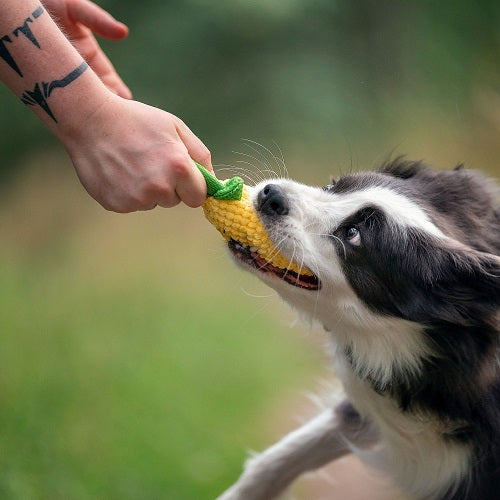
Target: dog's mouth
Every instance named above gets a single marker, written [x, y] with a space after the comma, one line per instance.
[253, 259]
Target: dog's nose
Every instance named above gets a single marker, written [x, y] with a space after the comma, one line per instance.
[272, 201]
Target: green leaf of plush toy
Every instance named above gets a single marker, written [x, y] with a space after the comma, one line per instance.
[230, 189]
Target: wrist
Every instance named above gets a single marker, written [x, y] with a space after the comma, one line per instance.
[75, 109]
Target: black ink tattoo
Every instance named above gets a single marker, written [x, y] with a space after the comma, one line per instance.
[26, 31]
[41, 92]
[5, 55]
[38, 12]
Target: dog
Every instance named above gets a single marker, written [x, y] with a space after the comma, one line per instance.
[407, 282]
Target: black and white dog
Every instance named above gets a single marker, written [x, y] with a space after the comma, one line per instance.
[407, 282]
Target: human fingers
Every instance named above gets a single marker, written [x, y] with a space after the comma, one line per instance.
[96, 19]
[184, 182]
[195, 147]
[167, 199]
[192, 187]
[103, 67]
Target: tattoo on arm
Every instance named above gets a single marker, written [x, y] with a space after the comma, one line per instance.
[5, 54]
[41, 92]
[26, 31]
[38, 12]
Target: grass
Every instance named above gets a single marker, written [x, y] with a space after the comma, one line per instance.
[133, 365]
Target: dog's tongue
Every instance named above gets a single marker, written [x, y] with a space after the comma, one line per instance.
[307, 281]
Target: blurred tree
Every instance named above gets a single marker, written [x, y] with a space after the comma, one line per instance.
[294, 71]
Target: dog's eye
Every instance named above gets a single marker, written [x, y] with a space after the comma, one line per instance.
[353, 236]
[329, 187]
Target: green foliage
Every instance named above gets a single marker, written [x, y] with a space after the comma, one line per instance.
[309, 74]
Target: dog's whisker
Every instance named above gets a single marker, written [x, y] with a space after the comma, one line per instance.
[255, 296]
[259, 174]
[264, 173]
[235, 168]
[277, 249]
[290, 263]
[261, 166]
[281, 159]
[253, 170]
[329, 235]
[315, 268]
[273, 156]
[244, 173]
[271, 256]
[265, 159]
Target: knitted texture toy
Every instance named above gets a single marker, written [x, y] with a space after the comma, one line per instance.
[229, 208]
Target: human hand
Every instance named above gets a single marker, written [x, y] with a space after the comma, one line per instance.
[80, 19]
[130, 156]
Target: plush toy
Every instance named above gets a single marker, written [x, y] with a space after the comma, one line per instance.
[229, 208]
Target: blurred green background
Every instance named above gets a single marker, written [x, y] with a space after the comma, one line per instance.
[135, 360]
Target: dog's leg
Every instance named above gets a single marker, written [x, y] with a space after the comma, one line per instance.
[321, 440]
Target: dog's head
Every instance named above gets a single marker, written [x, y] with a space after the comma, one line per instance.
[402, 245]
[387, 241]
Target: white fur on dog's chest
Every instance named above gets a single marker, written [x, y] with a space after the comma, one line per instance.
[412, 447]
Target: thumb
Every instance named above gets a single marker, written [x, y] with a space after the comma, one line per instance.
[196, 149]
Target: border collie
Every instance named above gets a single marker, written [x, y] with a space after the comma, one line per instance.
[407, 281]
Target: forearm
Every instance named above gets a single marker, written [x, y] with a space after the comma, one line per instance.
[129, 156]
[43, 69]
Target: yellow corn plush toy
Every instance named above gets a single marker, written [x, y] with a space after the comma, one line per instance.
[229, 208]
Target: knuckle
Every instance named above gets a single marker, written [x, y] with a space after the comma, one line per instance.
[169, 199]
[123, 207]
[194, 202]
[169, 203]
[124, 210]
[105, 203]
[159, 192]
[195, 198]
[144, 202]
[126, 204]
[107, 206]
[154, 188]
[180, 165]
[117, 208]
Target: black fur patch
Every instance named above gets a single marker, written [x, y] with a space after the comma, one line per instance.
[451, 288]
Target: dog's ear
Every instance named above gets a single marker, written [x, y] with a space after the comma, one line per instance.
[466, 285]
[477, 273]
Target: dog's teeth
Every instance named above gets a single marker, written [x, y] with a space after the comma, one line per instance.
[253, 249]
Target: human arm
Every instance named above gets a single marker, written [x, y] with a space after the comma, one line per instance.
[128, 155]
[79, 20]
